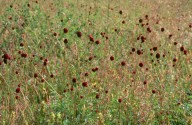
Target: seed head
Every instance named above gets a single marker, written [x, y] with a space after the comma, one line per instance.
[141, 64]
[79, 34]
[65, 30]
[18, 90]
[120, 100]
[111, 58]
[85, 84]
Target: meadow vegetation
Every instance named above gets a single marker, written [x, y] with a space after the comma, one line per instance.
[96, 62]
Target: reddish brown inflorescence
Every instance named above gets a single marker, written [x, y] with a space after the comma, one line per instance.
[97, 96]
[111, 58]
[123, 63]
[79, 34]
[141, 64]
[162, 29]
[65, 30]
[18, 90]
[65, 41]
[85, 84]
[121, 12]
[153, 91]
[74, 80]
[120, 100]
[35, 75]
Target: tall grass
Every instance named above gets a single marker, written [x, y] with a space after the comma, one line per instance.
[96, 62]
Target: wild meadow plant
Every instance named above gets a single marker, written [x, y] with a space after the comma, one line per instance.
[96, 62]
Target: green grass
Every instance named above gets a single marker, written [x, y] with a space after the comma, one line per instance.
[44, 67]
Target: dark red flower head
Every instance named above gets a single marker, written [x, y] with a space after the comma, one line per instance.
[35, 75]
[97, 96]
[162, 29]
[24, 55]
[51, 75]
[16, 97]
[145, 82]
[86, 74]
[111, 58]
[97, 42]
[174, 59]
[95, 69]
[154, 48]
[91, 38]
[153, 91]
[6, 56]
[18, 90]
[123, 63]
[65, 30]
[74, 80]
[79, 34]
[133, 49]
[181, 48]
[65, 41]
[55, 34]
[157, 55]
[170, 35]
[21, 44]
[139, 52]
[85, 84]
[42, 80]
[141, 64]
[190, 25]
[143, 39]
[185, 52]
[120, 100]
[90, 58]
[149, 29]
[19, 85]
[175, 43]
[120, 12]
